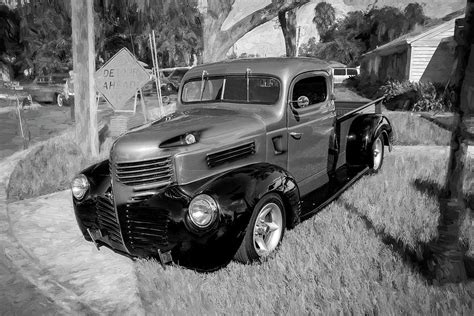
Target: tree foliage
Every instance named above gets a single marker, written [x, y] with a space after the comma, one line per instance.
[44, 36]
[129, 23]
[39, 32]
[324, 17]
[361, 31]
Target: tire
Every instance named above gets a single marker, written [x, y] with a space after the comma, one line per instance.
[376, 154]
[60, 100]
[264, 231]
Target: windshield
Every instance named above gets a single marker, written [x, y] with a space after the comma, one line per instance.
[241, 89]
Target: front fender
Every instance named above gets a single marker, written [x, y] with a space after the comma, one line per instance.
[362, 133]
[238, 191]
[99, 177]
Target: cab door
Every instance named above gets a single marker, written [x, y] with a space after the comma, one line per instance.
[311, 121]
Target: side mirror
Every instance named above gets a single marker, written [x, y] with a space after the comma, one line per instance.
[333, 96]
[302, 101]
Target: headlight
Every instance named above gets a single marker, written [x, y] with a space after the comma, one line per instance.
[202, 210]
[79, 186]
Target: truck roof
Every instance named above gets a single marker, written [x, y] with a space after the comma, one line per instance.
[282, 67]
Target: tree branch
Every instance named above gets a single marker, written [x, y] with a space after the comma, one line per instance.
[262, 16]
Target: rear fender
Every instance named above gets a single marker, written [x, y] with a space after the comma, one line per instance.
[362, 133]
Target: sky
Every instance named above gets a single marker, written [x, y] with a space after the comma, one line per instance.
[267, 39]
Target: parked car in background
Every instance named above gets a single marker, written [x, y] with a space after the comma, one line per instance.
[48, 88]
[341, 74]
[170, 78]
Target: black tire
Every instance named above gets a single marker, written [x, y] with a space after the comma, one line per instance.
[376, 154]
[259, 231]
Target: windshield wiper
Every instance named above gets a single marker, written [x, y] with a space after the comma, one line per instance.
[204, 78]
[247, 75]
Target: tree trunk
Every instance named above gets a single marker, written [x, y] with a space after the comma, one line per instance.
[84, 84]
[447, 263]
[217, 42]
[288, 26]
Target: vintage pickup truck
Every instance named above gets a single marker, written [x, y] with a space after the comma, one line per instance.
[222, 177]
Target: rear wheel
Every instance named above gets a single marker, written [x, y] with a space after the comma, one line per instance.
[376, 154]
[265, 230]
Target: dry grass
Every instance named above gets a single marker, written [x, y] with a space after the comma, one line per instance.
[347, 259]
[411, 129]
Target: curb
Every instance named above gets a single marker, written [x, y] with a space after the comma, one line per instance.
[18, 259]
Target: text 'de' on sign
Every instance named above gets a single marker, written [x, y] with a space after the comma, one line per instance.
[120, 77]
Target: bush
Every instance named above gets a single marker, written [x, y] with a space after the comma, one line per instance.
[48, 168]
[416, 96]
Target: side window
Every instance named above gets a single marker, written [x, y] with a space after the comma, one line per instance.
[339, 72]
[314, 88]
[352, 72]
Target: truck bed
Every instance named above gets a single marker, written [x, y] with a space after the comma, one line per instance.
[348, 101]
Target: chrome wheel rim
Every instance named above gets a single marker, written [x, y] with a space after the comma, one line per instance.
[267, 229]
[59, 100]
[377, 152]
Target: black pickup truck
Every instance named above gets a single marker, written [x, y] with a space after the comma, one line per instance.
[255, 146]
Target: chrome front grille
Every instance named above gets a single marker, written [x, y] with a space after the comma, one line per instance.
[107, 220]
[231, 154]
[151, 173]
[145, 228]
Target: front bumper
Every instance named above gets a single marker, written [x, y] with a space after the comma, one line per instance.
[140, 228]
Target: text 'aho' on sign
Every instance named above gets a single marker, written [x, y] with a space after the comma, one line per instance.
[120, 77]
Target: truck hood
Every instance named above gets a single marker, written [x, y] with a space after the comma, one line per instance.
[214, 128]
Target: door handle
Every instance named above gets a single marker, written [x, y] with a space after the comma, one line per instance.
[296, 135]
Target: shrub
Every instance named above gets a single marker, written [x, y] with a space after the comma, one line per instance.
[48, 168]
[416, 96]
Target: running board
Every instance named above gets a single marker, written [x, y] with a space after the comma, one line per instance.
[335, 195]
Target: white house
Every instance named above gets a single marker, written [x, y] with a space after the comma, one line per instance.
[425, 55]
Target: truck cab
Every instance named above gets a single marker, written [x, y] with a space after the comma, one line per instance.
[227, 173]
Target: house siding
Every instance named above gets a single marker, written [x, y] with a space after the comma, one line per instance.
[420, 58]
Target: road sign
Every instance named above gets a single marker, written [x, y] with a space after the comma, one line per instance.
[120, 77]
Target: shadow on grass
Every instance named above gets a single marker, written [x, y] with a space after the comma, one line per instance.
[416, 260]
[433, 189]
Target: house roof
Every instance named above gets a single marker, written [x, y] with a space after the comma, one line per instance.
[432, 29]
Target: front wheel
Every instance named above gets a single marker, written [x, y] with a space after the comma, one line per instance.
[265, 230]
[376, 154]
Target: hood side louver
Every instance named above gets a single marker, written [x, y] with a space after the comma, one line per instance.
[230, 154]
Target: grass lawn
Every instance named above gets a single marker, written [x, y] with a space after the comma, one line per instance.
[411, 129]
[354, 257]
